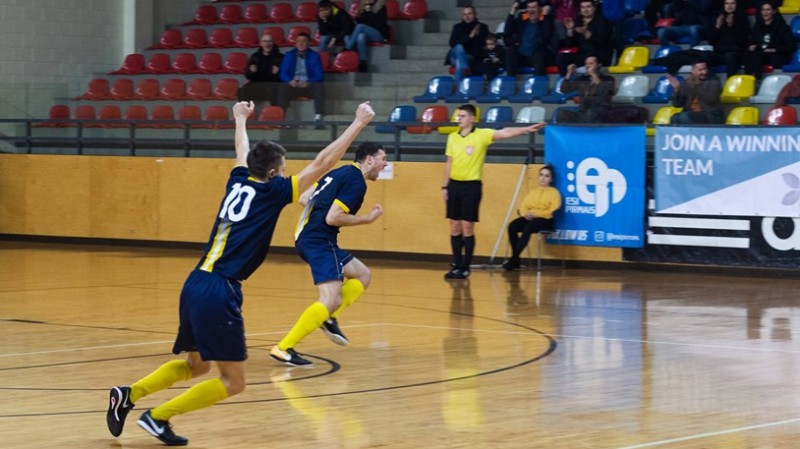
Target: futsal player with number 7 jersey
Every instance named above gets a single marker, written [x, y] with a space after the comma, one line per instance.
[340, 277]
[211, 323]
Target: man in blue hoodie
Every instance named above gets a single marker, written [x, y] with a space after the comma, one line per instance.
[301, 76]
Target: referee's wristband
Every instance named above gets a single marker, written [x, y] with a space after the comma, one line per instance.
[444, 187]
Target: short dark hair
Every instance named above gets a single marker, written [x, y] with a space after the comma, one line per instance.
[367, 149]
[469, 109]
[263, 157]
[325, 4]
[308, 36]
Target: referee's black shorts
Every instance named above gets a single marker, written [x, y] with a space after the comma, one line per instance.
[464, 200]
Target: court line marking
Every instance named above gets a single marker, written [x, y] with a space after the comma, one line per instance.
[714, 434]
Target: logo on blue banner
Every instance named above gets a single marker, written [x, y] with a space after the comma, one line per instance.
[600, 172]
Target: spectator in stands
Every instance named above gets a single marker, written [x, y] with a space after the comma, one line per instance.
[729, 36]
[534, 215]
[492, 60]
[564, 9]
[371, 26]
[594, 89]
[301, 75]
[334, 25]
[614, 12]
[698, 95]
[691, 20]
[529, 37]
[654, 11]
[590, 34]
[466, 42]
[262, 73]
[771, 41]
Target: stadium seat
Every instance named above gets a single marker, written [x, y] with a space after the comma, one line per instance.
[431, 114]
[256, 13]
[199, 89]
[663, 51]
[531, 114]
[661, 93]
[108, 112]
[306, 12]
[135, 112]
[345, 62]
[204, 15]
[742, 115]
[533, 87]
[662, 117]
[133, 64]
[173, 89]
[500, 88]
[85, 112]
[794, 63]
[185, 63]
[159, 63]
[632, 88]
[415, 9]
[221, 38]
[501, 115]
[632, 59]
[57, 117]
[393, 10]
[147, 89]
[236, 62]
[556, 96]
[231, 14]
[98, 89]
[216, 114]
[295, 31]
[438, 88]
[226, 89]
[162, 113]
[278, 36]
[468, 89]
[738, 88]
[771, 85]
[189, 113]
[269, 114]
[783, 115]
[122, 89]
[795, 26]
[325, 60]
[633, 7]
[210, 62]
[790, 7]
[196, 38]
[281, 13]
[448, 129]
[169, 39]
[246, 37]
[399, 114]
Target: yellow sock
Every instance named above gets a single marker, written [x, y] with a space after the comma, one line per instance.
[309, 321]
[164, 377]
[351, 290]
[202, 395]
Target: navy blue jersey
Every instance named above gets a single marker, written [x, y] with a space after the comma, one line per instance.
[344, 186]
[246, 221]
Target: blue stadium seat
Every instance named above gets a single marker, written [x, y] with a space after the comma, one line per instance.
[500, 88]
[794, 64]
[468, 89]
[532, 88]
[661, 93]
[438, 88]
[795, 26]
[557, 96]
[499, 114]
[400, 114]
[662, 51]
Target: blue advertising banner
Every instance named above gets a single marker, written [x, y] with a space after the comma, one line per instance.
[728, 171]
[600, 171]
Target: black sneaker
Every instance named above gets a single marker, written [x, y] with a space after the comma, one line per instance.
[161, 430]
[119, 405]
[511, 265]
[464, 273]
[331, 329]
[289, 357]
[453, 273]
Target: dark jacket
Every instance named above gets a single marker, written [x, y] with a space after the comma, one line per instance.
[264, 64]
[600, 42]
[596, 98]
[313, 66]
[515, 25]
[707, 93]
[338, 25]
[780, 36]
[692, 12]
[473, 46]
[376, 20]
[730, 38]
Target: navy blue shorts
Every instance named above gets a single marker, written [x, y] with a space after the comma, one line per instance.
[211, 318]
[325, 258]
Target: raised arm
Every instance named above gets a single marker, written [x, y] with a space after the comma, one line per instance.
[241, 111]
[338, 217]
[329, 156]
[515, 131]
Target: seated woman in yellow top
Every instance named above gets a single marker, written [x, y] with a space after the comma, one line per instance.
[535, 214]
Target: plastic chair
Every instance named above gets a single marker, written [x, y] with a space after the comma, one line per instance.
[795, 26]
[210, 62]
[226, 89]
[345, 62]
[147, 89]
[500, 88]
[531, 114]
[306, 12]
[556, 96]
[738, 88]
[85, 112]
[415, 9]
[278, 36]
[256, 13]
[663, 51]
[236, 62]
[204, 15]
[199, 89]
[135, 112]
[96, 90]
[790, 7]
[185, 63]
[499, 114]
[216, 114]
[269, 114]
[770, 88]
[163, 113]
[231, 14]
[246, 37]
[159, 63]
[108, 112]
[400, 114]
[468, 89]
[742, 115]
[393, 10]
[295, 31]
[281, 13]
[189, 113]
[632, 88]
[632, 59]
[122, 89]
[448, 129]
[173, 89]
[532, 88]
[221, 38]
[438, 88]
[794, 63]
[663, 117]
[633, 7]
[431, 114]
[783, 115]
[196, 38]
[133, 64]
[58, 117]
[170, 39]
[661, 93]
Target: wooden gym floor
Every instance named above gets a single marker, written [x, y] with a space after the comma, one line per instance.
[568, 359]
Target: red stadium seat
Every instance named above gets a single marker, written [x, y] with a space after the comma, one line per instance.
[269, 114]
[204, 15]
[173, 89]
[281, 13]
[415, 9]
[221, 38]
[189, 112]
[85, 112]
[216, 114]
[170, 39]
[226, 89]
[296, 31]
[306, 12]
[277, 34]
[431, 114]
[185, 63]
[59, 114]
[231, 14]
[345, 62]
[246, 37]
[122, 89]
[159, 63]
[256, 13]
[196, 38]
[199, 89]
[108, 112]
[236, 62]
[136, 112]
[783, 115]
[325, 58]
[147, 89]
[392, 10]
[161, 113]
[134, 64]
[96, 90]
[210, 62]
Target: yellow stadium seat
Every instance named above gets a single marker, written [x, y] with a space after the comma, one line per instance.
[663, 117]
[632, 59]
[743, 115]
[452, 129]
[790, 7]
[738, 88]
